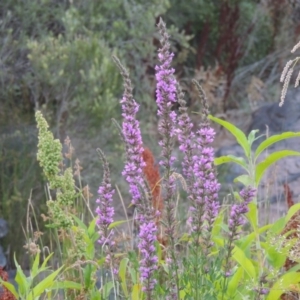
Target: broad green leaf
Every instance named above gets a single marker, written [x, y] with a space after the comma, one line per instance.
[238, 134]
[21, 280]
[244, 179]
[251, 137]
[295, 208]
[218, 224]
[79, 223]
[10, 287]
[46, 283]
[231, 159]
[271, 159]
[117, 223]
[122, 275]
[275, 258]
[274, 139]
[91, 229]
[134, 275]
[247, 240]
[107, 289]
[278, 226]
[252, 215]
[35, 266]
[234, 282]
[87, 275]
[43, 267]
[240, 257]
[283, 284]
[135, 295]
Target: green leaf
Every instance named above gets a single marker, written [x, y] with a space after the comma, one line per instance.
[247, 240]
[106, 289]
[243, 179]
[46, 283]
[10, 287]
[252, 215]
[91, 229]
[122, 275]
[79, 223]
[278, 226]
[43, 267]
[87, 274]
[231, 159]
[217, 226]
[234, 282]
[35, 266]
[240, 257]
[271, 159]
[251, 137]
[21, 279]
[236, 132]
[274, 139]
[283, 284]
[116, 223]
[295, 208]
[135, 295]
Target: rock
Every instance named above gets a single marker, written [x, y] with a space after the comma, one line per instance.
[3, 261]
[3, 228]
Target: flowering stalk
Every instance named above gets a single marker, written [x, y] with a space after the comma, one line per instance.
[165, 98]
[133, 173]
[207, 185]
[105, 210]
[236, 220]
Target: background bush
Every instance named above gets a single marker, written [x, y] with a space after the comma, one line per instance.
[56, 55]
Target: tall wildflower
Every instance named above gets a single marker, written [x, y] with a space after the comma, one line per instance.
[199, 168]
[133, 173]
[236, 220]
[105, 210]
[165, 98]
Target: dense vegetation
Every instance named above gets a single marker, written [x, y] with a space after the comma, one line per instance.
[56, 57]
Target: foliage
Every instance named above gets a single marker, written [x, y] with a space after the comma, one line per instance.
[223, 253]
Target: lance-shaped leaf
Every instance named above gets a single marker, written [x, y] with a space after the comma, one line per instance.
[236, 132]
[274, 139]
[271, 159]
[230, 158]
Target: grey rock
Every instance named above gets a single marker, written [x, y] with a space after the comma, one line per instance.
[2, 258]
[3, 228]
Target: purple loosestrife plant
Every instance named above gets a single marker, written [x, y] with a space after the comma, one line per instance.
[235, 221]
[133, 173]
[202, 189]
[105, 210]
[165, 98]
[205, 205]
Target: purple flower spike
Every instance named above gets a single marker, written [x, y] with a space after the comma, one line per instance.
[238, 211]
[148, 263]
[198, 168]
[133, 173]
[133, 170]
[105, 210]
[166, 97]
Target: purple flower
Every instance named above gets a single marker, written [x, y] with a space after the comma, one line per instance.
[148, 263]
[198, 167]
[236, 217]
[165, 96]
[133, 169]
[105, 210]
[133, 173]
